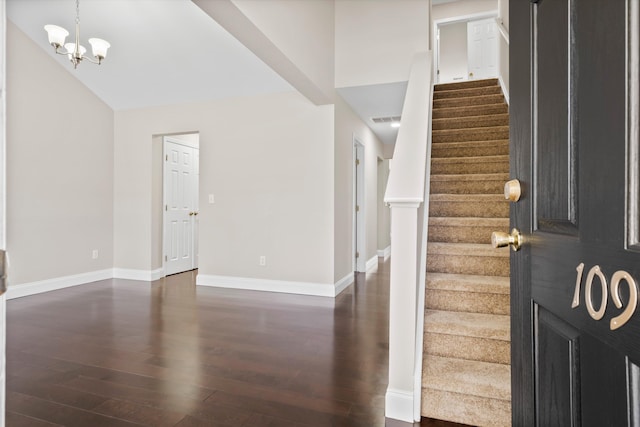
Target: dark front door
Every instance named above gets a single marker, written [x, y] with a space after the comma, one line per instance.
[574, 144]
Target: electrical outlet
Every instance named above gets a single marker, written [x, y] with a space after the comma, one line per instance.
[263, 261]
[94, 254]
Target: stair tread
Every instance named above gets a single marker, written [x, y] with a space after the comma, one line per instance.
[472, 159]
[470, 110]
[483, 379]
[466, 84]
[470, 177]
[467, 249]
[467, 122]
[477, 325]
[467, 198]
[468, 283]
[467, 91]
[492, 99]
[470, 130]
[468, 222]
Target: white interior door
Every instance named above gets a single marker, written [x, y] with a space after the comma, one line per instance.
[482, 49]
[180, 202]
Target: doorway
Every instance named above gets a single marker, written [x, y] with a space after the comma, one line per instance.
[181, 155]
[359, 228]
[466, 48]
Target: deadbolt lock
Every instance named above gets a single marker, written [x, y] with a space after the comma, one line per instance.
[500, 239]
[512, 190]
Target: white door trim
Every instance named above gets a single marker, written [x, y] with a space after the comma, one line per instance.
[359, 227]
[3, 204]
[194, 228]
[455, 19]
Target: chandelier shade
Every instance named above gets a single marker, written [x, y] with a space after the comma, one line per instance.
[75, 51]
[57, 35]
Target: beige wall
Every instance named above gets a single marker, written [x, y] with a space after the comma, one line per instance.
[302, 30]
[453, 52]
[60, 168]
[269, 162]
[348, 125]
[384, 213]
[462, 8]
[376, 40]
[503, 14]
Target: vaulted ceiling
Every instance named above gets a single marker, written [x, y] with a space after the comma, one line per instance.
[167, 52]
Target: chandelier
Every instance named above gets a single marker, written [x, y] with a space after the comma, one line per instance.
[75, 51]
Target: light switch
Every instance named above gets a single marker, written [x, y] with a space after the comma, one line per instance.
[211, 199]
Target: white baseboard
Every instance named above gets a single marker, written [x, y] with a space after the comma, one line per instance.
[32, 288]
[372, 263]
[343, 283]
[399, 405]
[505, 92]
[144, 275]
[385, 253]
[288, 287]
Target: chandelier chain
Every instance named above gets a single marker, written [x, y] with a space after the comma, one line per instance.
[77, 11]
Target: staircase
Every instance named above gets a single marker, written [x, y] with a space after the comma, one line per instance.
[466, 373]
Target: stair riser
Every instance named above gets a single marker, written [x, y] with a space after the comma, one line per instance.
[447, 234]
[473, 134]
[444, 150]
[468, 348]
[463, 93]
[465, 102]
[465, 409]
[474, 122]
[436, 299]
[458, 168]
[461, 209]
[466, 84]
[478, 110]
[465, 264]
[467, 187]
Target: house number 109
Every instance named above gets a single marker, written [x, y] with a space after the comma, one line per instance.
[617, 277]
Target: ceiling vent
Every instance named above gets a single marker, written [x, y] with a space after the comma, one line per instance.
[385, 119]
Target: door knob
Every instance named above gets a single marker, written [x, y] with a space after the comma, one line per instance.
[500, 239]
[512, 190]
[191, 213]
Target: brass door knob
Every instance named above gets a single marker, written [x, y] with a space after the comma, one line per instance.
[191, 213]
[512, 190]
[500, 239]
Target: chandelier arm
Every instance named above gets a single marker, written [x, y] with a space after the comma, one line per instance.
[88, 58]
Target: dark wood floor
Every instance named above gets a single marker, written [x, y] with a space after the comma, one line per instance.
[124, 353]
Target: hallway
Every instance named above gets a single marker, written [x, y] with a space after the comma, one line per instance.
[124, 353]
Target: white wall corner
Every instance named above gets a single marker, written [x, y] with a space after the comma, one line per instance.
[399, 405]
[267, 285]
[26, 289]
[142, 275]
[385, 253]
[372, 263]
[343, 283]
[505, 92]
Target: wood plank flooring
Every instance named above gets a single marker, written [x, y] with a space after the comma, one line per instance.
[126, 353]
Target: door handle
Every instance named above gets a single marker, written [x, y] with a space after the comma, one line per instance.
[192, 213]
[512, 190]
[500, 239]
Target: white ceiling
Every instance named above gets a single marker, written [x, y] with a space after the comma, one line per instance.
[162, 51]
[383, 100]
[167, 52]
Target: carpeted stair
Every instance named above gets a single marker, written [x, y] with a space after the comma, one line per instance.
[466, 375]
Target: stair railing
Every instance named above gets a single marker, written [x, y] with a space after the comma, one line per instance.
[408, 197]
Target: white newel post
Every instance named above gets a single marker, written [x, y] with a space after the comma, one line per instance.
[406, 191]
[399, 401]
